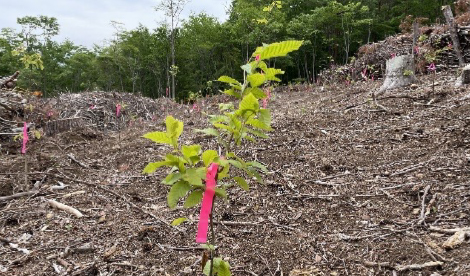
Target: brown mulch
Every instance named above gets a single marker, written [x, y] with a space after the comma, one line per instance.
[352, 189]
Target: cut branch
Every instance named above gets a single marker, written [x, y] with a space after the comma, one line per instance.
[65, 208]
[18, 195]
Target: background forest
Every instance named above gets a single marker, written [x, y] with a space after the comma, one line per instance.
[139, 60]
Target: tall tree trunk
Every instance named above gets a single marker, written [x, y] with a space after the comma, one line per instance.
[173, 88]
[307, 75]
[453, 34]
[167, 75]
[313, 65]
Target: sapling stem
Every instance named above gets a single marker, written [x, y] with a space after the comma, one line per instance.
[25, 171]
[119, 131]
[212, 237]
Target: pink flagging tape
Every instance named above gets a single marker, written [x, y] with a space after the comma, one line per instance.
[25, 138]
[265, 103]
[207, 203]
[118, 110]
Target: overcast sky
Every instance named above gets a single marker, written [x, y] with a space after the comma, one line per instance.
[86, 22]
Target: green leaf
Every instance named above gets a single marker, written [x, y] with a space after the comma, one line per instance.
[264, 116]
[222, 126]
[278, 49]
[262, 21]
[272, 72]
[37, 134]
[256, 79]
[193, 177]
[193, 199]
[209, 247]
[172, 178]
[224, 269]
[190, 151]
[258, 124]
[216, 266]
[178, 221]
[247, 68]
[252, 172]
[261, 65]
[194, 159]
[152, 167]
[258, 93]
[177, 191]
[221, 192]
[236, 164]
[174, 128]
[258, 165]
[226, 106]
[249, 138]
[230, 80]
[224, 173]
[258, 133]
[242, 183]
[176, 161]
[218, 119]
[249, 102]
[208, 157]
[201, 172]
[158, 137]
[232, 93]
[209, 131]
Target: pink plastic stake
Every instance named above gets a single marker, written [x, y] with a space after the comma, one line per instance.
[25, 138]
[196, 107]
[167, 92]
[257, 57]
[432, 67]
[265, 103]
[118, 110]
[207, 204]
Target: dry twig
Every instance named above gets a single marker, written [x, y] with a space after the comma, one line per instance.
[65, 208]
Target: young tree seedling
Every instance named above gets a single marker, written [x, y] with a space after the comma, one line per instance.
[193, 173]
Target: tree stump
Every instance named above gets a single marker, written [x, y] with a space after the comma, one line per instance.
[464, 77]
[398, 73]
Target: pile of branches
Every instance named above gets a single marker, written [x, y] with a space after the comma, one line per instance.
[98, 110]
[370, 61]
[9, 82]
[11, 111]
[434, 45]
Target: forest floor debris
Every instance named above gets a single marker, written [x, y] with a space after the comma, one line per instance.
[351, 189]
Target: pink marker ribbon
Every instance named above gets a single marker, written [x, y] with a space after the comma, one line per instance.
[25, 138]
[207, 203]
[118, 110]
